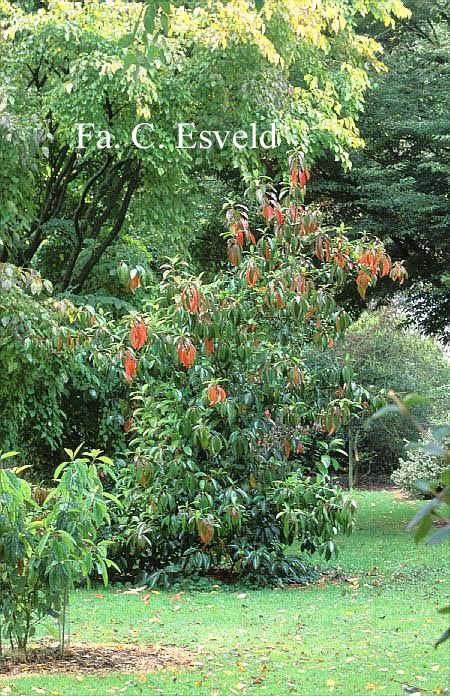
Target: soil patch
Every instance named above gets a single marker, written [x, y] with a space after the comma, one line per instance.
[94, 657]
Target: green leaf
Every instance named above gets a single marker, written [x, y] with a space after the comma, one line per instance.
[420, 514]
[113, 498]
[423, 528]
[430, 447]
[384, 411]
[126, 40]
[130, 59]
[441, 433]
[422, 485]
[106, 460]
[153, 52]
[165, 24]
[8, 455]
[149, 18]
[439, 535]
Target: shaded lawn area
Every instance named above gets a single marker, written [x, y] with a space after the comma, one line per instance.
[360, 635]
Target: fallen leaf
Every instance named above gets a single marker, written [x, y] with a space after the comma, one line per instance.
[135, 590]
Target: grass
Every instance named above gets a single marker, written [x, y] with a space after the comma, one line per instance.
[362, 635]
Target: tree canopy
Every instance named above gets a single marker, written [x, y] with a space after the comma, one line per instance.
[302, 65]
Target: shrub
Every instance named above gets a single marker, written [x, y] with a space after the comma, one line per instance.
[48, 542]
[228, 460]
[59, 387]
[418, 465]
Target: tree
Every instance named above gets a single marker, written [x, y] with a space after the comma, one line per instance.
[385, 353]
[397, 188]
[298, 66]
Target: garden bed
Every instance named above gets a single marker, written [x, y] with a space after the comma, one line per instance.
[94, 657]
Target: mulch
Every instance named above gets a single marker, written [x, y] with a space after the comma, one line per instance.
[95, 657]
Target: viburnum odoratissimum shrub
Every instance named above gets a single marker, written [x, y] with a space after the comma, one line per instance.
[221, 470]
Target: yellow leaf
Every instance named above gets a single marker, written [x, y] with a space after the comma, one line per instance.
[370, 686]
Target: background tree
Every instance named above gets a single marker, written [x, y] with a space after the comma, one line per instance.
[385, 352]
[398, 185]
[300, 66]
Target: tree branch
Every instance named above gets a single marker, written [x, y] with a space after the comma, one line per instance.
[96, 255]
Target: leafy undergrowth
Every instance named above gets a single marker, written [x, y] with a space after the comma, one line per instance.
[367, 629]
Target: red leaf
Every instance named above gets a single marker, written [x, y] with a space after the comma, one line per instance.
[209, 346]
[216, 394]
[287, 448]
[138, 335]
[130, 364]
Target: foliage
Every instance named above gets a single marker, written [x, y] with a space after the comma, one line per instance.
[56, 385]
[398, 184]
[229, 456]
[418, 465]
[48, 542]
[385, 353]
[19, 139]
[303, 67]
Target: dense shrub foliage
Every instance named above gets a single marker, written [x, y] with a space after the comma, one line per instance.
[56, 388]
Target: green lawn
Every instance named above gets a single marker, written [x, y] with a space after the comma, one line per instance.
[348, 638]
